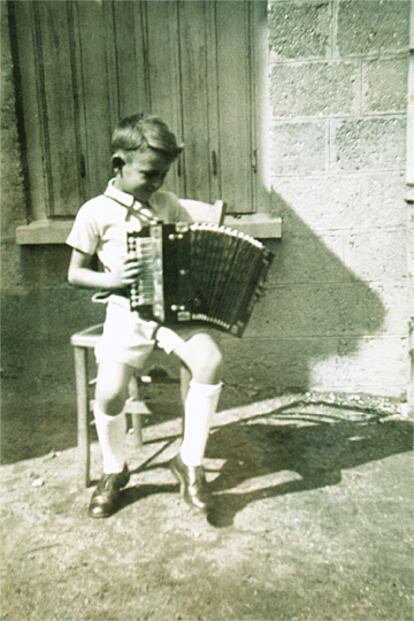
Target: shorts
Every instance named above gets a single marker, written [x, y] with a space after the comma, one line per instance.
[126, 337]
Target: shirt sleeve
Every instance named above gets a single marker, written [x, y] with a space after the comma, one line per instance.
[84, 235]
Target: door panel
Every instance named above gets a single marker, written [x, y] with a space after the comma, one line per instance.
[194, 92]
[57, 64]
[97, 95]
[163, 75]
[234, 86]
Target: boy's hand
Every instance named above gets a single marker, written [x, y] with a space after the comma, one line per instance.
[127, 274]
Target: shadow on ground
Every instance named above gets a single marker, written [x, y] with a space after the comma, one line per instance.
[314, 443]
[317, 452]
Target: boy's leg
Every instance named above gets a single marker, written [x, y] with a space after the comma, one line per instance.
[110, 396]
[111, 392]
[203, 359]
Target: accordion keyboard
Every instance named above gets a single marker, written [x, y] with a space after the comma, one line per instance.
[142, 292]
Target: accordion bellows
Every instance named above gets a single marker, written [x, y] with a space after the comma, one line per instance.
[198, 272]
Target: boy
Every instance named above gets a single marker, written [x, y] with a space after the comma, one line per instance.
[143, 149]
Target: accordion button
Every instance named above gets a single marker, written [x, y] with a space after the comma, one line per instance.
[174, 307]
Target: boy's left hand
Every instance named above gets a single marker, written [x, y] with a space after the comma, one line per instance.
[128, 272]
[131, 270]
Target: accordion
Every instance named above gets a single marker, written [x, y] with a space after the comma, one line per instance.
[198, 272]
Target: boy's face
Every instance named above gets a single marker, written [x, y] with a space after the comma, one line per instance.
[143, 174]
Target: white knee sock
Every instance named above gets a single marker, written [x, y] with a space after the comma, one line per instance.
[200, 405]
[111, 434]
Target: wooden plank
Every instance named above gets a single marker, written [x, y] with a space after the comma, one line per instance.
[81, 376]
[213, 103]
[260, 129]
[163, 71]
[234, 84]
[31, 99]
[98, 86]
[130, 42]
[194, 90]
[62, 149]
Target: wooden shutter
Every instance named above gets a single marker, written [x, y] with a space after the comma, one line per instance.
[83, 65]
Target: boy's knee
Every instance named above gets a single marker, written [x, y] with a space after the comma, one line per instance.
[206, 352]
[110, 402]
[112, 387]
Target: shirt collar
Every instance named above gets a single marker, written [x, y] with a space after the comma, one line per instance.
[123, 198]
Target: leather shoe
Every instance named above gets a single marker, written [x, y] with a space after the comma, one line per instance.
[192, 484]
[106, 497]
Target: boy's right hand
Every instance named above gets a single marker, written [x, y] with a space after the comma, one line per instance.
[127, 273]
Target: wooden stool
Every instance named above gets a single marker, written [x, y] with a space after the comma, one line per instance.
[82, 342]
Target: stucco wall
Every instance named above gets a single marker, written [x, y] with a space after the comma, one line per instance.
[336, 314]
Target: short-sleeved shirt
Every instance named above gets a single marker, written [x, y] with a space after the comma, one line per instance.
[102, 223]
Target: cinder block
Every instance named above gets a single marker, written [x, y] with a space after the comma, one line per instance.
[299, 148]
[315, 89]
[396, 301]
[310, 204]
[317, 310]
[376, 364]
[299, 30]
[370, 144]
[355, 202]
[381, 202]
[281, 364]
[377, 255]
[385, 85]
[372, 26]
[305, 259]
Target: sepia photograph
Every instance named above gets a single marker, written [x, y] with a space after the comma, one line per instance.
[207, 310]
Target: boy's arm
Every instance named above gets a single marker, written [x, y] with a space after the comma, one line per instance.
[81, 274]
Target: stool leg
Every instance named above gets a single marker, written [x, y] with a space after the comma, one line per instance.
[81, 377]
[136, 418]
[185, 378]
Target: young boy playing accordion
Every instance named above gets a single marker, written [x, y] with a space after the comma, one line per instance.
[143, 149]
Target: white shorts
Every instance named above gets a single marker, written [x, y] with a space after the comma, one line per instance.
[126, 338]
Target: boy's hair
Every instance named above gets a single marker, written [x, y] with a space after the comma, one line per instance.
[141, 132]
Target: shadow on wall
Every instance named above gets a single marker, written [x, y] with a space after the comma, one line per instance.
[315, 311]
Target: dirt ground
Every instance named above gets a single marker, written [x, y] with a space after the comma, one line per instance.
[313, 515]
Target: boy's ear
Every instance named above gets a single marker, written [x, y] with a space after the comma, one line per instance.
[117, 163]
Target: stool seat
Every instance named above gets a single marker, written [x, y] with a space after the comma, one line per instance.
[88, 337]
[82, 342]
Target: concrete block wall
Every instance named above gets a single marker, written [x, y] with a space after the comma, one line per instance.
[336, 315]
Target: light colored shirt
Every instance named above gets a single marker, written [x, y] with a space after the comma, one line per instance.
[102, 223]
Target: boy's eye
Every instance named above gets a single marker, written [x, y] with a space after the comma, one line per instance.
[155, 175]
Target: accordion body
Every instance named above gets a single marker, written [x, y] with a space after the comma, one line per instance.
[198, 272]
